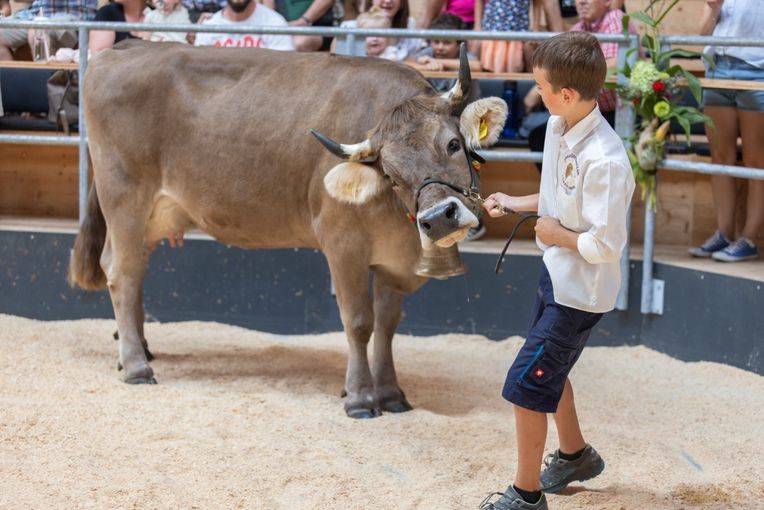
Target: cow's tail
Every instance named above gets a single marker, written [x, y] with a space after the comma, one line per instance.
[84, 266]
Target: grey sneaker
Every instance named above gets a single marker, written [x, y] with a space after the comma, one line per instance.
[560, 472]
[511, 500]
[713, 244]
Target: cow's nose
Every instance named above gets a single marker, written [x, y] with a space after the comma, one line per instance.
[439, 220]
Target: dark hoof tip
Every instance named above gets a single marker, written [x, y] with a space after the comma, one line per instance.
[119, 367]
[116, 335]
[397, 406]
[141, 380]
[149, 356]
[344, 393]
[363, 414]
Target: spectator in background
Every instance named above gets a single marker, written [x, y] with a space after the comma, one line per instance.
[596, 17]
[5, 8]
[509, 16]
[305, 13]
[130, 11]
[397, 12]
[167, 11]
[381, 47]
[200, 10]
[246, 12]
[465, 9]
[734, 112]
[443, 55]
[11, 39]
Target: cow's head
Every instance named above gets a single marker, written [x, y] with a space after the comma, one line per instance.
[423, 148]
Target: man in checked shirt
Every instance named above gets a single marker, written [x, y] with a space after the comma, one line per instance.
[11, 39]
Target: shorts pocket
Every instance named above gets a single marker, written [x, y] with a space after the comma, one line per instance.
[553, 363]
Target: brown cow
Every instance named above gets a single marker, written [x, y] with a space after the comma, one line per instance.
[219, 140]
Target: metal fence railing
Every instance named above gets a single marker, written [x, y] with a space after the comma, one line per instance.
[652, 289]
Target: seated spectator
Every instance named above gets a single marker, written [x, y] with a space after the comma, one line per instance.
[381, 47]
[246, 12]
[200, 10]
[167, 11]
[443, 55]
[130, 11]
[397, 11]
[11, 39]
[306, 13]
[597, 17]
[734, 112]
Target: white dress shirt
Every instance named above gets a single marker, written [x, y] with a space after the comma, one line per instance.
[587, 184]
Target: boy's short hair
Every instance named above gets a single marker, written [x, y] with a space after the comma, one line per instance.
[572, 60]
[447, 21]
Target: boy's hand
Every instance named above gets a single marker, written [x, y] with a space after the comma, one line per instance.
[497, 203]
[551, 233]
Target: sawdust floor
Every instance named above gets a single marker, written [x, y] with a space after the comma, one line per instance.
[243, 419]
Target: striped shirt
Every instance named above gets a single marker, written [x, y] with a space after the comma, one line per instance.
[610, 23]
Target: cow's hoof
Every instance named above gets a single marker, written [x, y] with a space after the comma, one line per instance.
[396, 406]
[141, 380]
[363, 414]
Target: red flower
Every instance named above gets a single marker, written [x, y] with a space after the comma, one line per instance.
[658, 86]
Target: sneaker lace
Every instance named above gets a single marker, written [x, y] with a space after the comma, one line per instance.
[486, 503]
[549, 459]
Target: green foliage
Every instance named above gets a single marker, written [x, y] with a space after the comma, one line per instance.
[651, 82]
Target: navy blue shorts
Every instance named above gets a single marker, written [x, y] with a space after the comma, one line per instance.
[555, 340]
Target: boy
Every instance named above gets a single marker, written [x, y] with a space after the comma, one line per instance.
[586, 188]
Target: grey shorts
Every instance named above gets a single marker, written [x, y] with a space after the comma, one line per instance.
[731, 68]
[15, 38]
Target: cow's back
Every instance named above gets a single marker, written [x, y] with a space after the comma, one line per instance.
[225, 133]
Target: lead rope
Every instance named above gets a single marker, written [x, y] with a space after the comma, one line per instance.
[523, 218]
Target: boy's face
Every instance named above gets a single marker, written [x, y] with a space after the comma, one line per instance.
[558, 103]
[444, 49]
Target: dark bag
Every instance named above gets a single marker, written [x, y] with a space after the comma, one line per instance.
[63, 99]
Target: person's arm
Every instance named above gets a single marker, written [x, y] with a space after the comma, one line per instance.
[551, 233]
[317, 9]
[450, 64]
[495, 201]
[553, 16]
[478, 15]
[605, 199]
[710, 16]
[430, 11]
[101, 40]
[5, 8]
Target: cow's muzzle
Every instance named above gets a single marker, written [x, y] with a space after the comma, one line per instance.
[447, 222]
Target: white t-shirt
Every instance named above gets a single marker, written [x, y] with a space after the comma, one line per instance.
[740, 18]
[263, 16]
[586, 183]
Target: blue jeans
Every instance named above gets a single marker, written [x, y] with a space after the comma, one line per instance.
[556, 338]
[731, 68]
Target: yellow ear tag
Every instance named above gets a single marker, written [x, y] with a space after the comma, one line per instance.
[483, 129]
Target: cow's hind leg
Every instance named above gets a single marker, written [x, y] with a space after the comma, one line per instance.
[351, 279]
[124, 262]
[387, 315]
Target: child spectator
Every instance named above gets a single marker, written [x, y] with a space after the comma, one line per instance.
[167, 11]
[377, 46]
[583, 200]
[443, 55]
[397, 11]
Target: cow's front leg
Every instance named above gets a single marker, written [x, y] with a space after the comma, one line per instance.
[387, 315]
[351, 282]
[125, 265]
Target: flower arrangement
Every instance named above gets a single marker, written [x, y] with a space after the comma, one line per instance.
[655, 90]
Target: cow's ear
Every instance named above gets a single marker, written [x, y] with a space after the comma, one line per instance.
[482, 121]
[353, 183]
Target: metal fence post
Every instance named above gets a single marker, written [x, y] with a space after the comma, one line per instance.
[624, 126]
[83, 155]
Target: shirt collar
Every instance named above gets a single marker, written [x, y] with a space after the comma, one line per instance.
[582, 128]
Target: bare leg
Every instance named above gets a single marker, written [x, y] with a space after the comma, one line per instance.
[723, 140]
[531, 436]
[566, 418]
[751, 129]
[307, 42]
[387, 315]
[5, 50]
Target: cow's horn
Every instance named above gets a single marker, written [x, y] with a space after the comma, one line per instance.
[360, 152]
[461, 88]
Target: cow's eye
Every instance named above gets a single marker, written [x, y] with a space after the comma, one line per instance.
[454, 146]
